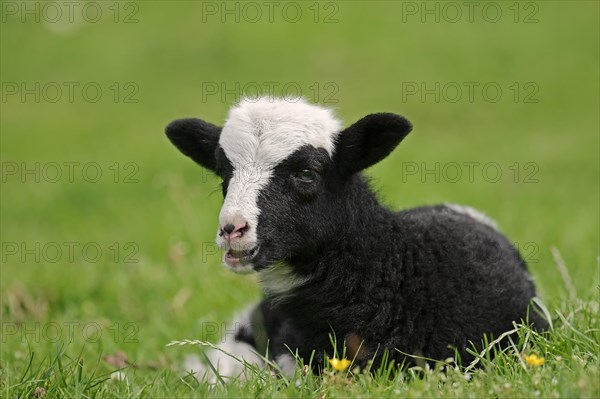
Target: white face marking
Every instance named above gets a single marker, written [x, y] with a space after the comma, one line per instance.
[474, 214]
[257, 135]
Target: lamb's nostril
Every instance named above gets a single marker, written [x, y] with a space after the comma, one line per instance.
[232, 231]
[240, 230]
[228, 228]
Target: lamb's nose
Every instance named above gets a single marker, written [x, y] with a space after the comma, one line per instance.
[231, 231]
[228, 228]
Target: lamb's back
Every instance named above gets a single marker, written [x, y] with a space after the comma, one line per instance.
[457, 278]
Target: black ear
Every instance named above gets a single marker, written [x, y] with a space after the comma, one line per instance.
[195, 138]
[369, 140]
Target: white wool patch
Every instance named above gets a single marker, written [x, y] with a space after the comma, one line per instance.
[473, 213]
[287, 364]
[259, 134]
[227, 366]
[280, 280]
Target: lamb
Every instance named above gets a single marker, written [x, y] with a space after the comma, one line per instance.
[298, 212]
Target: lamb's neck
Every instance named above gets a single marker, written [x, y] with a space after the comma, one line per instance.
[342, 266]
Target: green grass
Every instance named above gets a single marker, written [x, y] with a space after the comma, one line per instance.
[570, 370]
[165, 219]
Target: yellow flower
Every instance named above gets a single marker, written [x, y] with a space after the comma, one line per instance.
[339, 364]
[533, 360]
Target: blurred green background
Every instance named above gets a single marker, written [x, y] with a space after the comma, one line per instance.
[157, 61]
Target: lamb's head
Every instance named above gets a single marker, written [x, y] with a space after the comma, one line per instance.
[284, 166]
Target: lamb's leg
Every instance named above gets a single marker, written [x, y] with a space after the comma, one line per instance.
[240, 340]
[284, 338]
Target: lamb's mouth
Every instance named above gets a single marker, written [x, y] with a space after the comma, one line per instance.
[237, 258]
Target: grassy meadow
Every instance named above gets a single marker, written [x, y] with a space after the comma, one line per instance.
[107, 232]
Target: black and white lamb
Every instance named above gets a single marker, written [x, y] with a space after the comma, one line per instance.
[430, 281]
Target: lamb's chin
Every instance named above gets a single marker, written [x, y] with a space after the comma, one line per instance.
[245, 269]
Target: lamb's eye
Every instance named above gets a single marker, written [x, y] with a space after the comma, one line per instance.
[305, 175]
